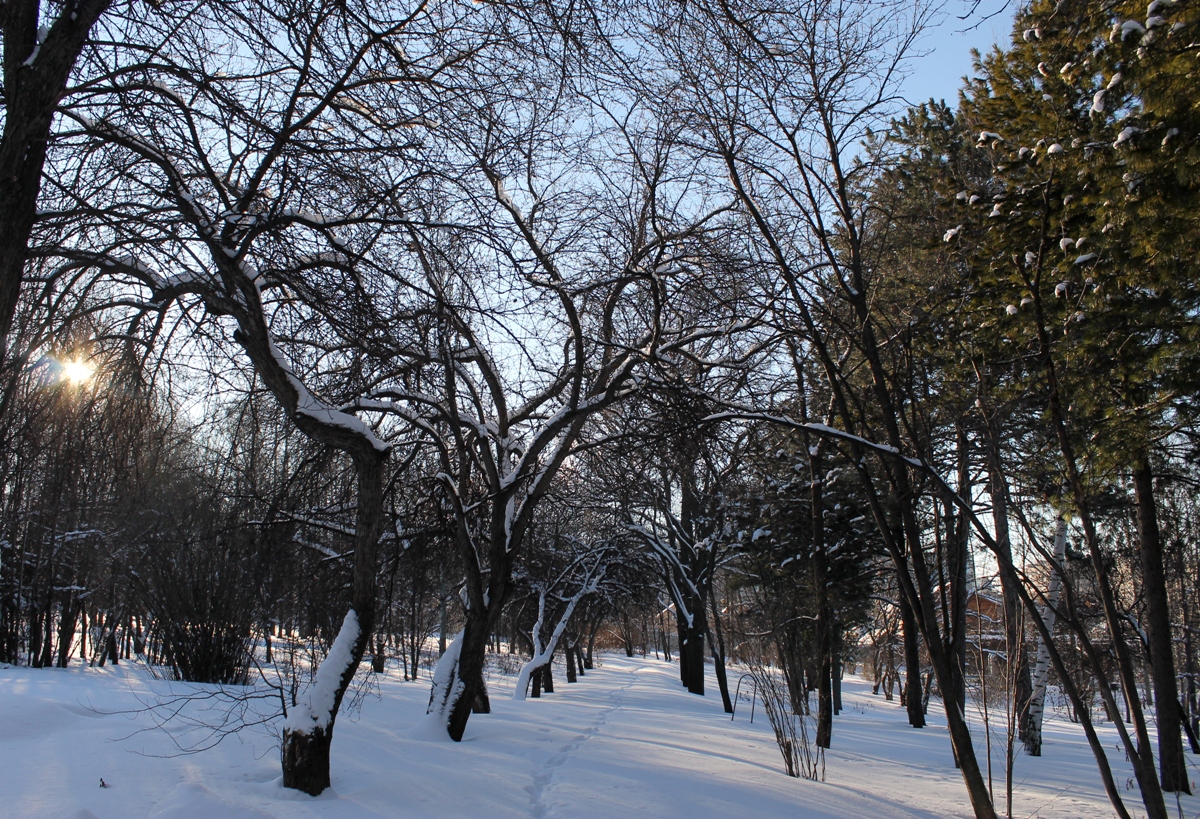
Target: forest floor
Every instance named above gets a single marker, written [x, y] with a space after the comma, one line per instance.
[625, 741]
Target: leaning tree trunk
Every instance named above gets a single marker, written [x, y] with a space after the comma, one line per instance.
[459, 688]
[308, 729]
[718, 651]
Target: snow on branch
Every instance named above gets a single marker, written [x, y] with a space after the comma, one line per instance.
[312, 407]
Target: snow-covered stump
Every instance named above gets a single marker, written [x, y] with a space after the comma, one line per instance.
[308, 729]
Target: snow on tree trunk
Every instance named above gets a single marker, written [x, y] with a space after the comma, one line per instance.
[308, 728]
[315, 708]
[1041, 671]
[446, 690]
[543, 655]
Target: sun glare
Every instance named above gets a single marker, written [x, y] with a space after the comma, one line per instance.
[76, 372]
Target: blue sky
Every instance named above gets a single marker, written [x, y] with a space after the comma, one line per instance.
[948, 46]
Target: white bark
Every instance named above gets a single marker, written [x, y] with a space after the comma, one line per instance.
[1041, 671]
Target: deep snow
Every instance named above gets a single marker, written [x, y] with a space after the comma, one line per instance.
[625, 741]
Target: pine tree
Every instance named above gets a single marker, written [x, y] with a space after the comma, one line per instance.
[1087, 232]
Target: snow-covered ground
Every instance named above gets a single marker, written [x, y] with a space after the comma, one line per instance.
[625, 741]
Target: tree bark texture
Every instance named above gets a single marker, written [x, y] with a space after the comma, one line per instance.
[1173, 766]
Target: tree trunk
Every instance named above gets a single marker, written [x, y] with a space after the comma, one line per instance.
[36, 71]
[1037, 698]
[569, 655]
[837, 684]
[468, 671]
[1014, 634]
[306, 761]
[912, 664]
[958, 536]
[718, 652]
[35, 642]
[379, 656]
[110, 648]
[1173, 766]
[587, 660]
[305, 750]
[691, 658]
[66, 632]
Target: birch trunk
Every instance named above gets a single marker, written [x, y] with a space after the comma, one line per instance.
[1041, 671]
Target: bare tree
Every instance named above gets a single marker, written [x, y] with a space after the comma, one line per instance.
[245, 180]
[42, 47]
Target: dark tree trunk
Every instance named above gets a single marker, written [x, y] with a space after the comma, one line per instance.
[1173, 765]
[571, 668]
[569, 655]
[66, 632]
[591, 645]
[691, 659]
[48, 636]
[379, 656]
[110, 648]
[306, 761]
[718, 652]
[305, 755]
[35, 642]
[469, 672]
[33, 87]
[824, 610]
[912, 664]
[824, 692]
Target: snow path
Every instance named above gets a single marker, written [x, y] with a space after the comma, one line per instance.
[543, 779]
[625, 741]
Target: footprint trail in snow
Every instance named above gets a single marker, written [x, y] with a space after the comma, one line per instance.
[543, 780]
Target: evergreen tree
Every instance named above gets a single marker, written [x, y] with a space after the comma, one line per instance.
[1085, 236]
